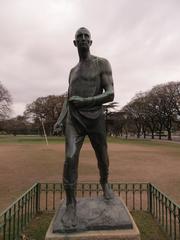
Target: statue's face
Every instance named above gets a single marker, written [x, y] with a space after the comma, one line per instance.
[82, 38]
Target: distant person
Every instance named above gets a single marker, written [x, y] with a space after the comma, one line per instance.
[90, 85]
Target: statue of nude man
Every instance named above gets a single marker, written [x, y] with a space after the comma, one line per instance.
[90, 86]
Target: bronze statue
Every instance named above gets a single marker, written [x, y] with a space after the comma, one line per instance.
[90, 86]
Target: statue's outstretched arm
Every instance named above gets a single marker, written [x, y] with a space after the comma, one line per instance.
[58, 125]
[63, 112]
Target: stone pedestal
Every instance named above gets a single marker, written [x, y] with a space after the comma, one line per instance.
[97, 219]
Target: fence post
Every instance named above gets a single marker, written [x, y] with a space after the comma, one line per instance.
[149, 192]
[38, 197]
[179, 221]
[4, 227]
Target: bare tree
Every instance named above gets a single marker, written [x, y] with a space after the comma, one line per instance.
[167, 105]
[5, 102]
[135, 110]
[152, 113]
[174, 89]
[46, 109]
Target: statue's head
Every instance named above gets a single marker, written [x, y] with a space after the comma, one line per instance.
[82, 38]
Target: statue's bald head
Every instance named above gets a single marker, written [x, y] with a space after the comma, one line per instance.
[82, 30]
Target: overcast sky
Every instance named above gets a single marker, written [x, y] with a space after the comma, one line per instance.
[140, 38]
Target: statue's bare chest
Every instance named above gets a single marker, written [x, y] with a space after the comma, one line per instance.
[85, 80]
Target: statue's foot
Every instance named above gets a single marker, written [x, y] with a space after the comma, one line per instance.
[70, 219]
[108, 193]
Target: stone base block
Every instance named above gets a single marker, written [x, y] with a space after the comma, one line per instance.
[131, 234]
[126, 230]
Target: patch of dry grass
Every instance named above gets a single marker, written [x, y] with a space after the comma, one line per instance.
[21, 165]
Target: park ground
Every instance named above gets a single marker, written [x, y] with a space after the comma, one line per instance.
[24, 161]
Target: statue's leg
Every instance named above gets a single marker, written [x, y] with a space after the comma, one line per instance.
[74, 143]
[99, 143]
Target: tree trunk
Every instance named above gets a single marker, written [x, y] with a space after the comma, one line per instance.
[152, 134]
[138, 134]
[126, 134]
[160, 131]
[169, 129]
[169, 135]
[159, 135]
[144, 134]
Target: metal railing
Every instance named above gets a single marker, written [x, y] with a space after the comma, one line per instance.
[134, 194]
[47, 196]
[15, 218]
[165, 211]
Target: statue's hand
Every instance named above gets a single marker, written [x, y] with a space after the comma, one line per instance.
[77, 101]
[57, 128]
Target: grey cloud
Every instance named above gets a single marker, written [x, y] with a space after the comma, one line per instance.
[140, 38]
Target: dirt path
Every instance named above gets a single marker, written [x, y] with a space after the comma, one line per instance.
[23, 165]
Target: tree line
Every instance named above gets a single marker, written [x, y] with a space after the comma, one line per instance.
[151, 113]
[154, 112]
[42, 111]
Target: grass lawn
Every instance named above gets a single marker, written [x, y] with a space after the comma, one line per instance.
[148, 228]
[30, 139]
